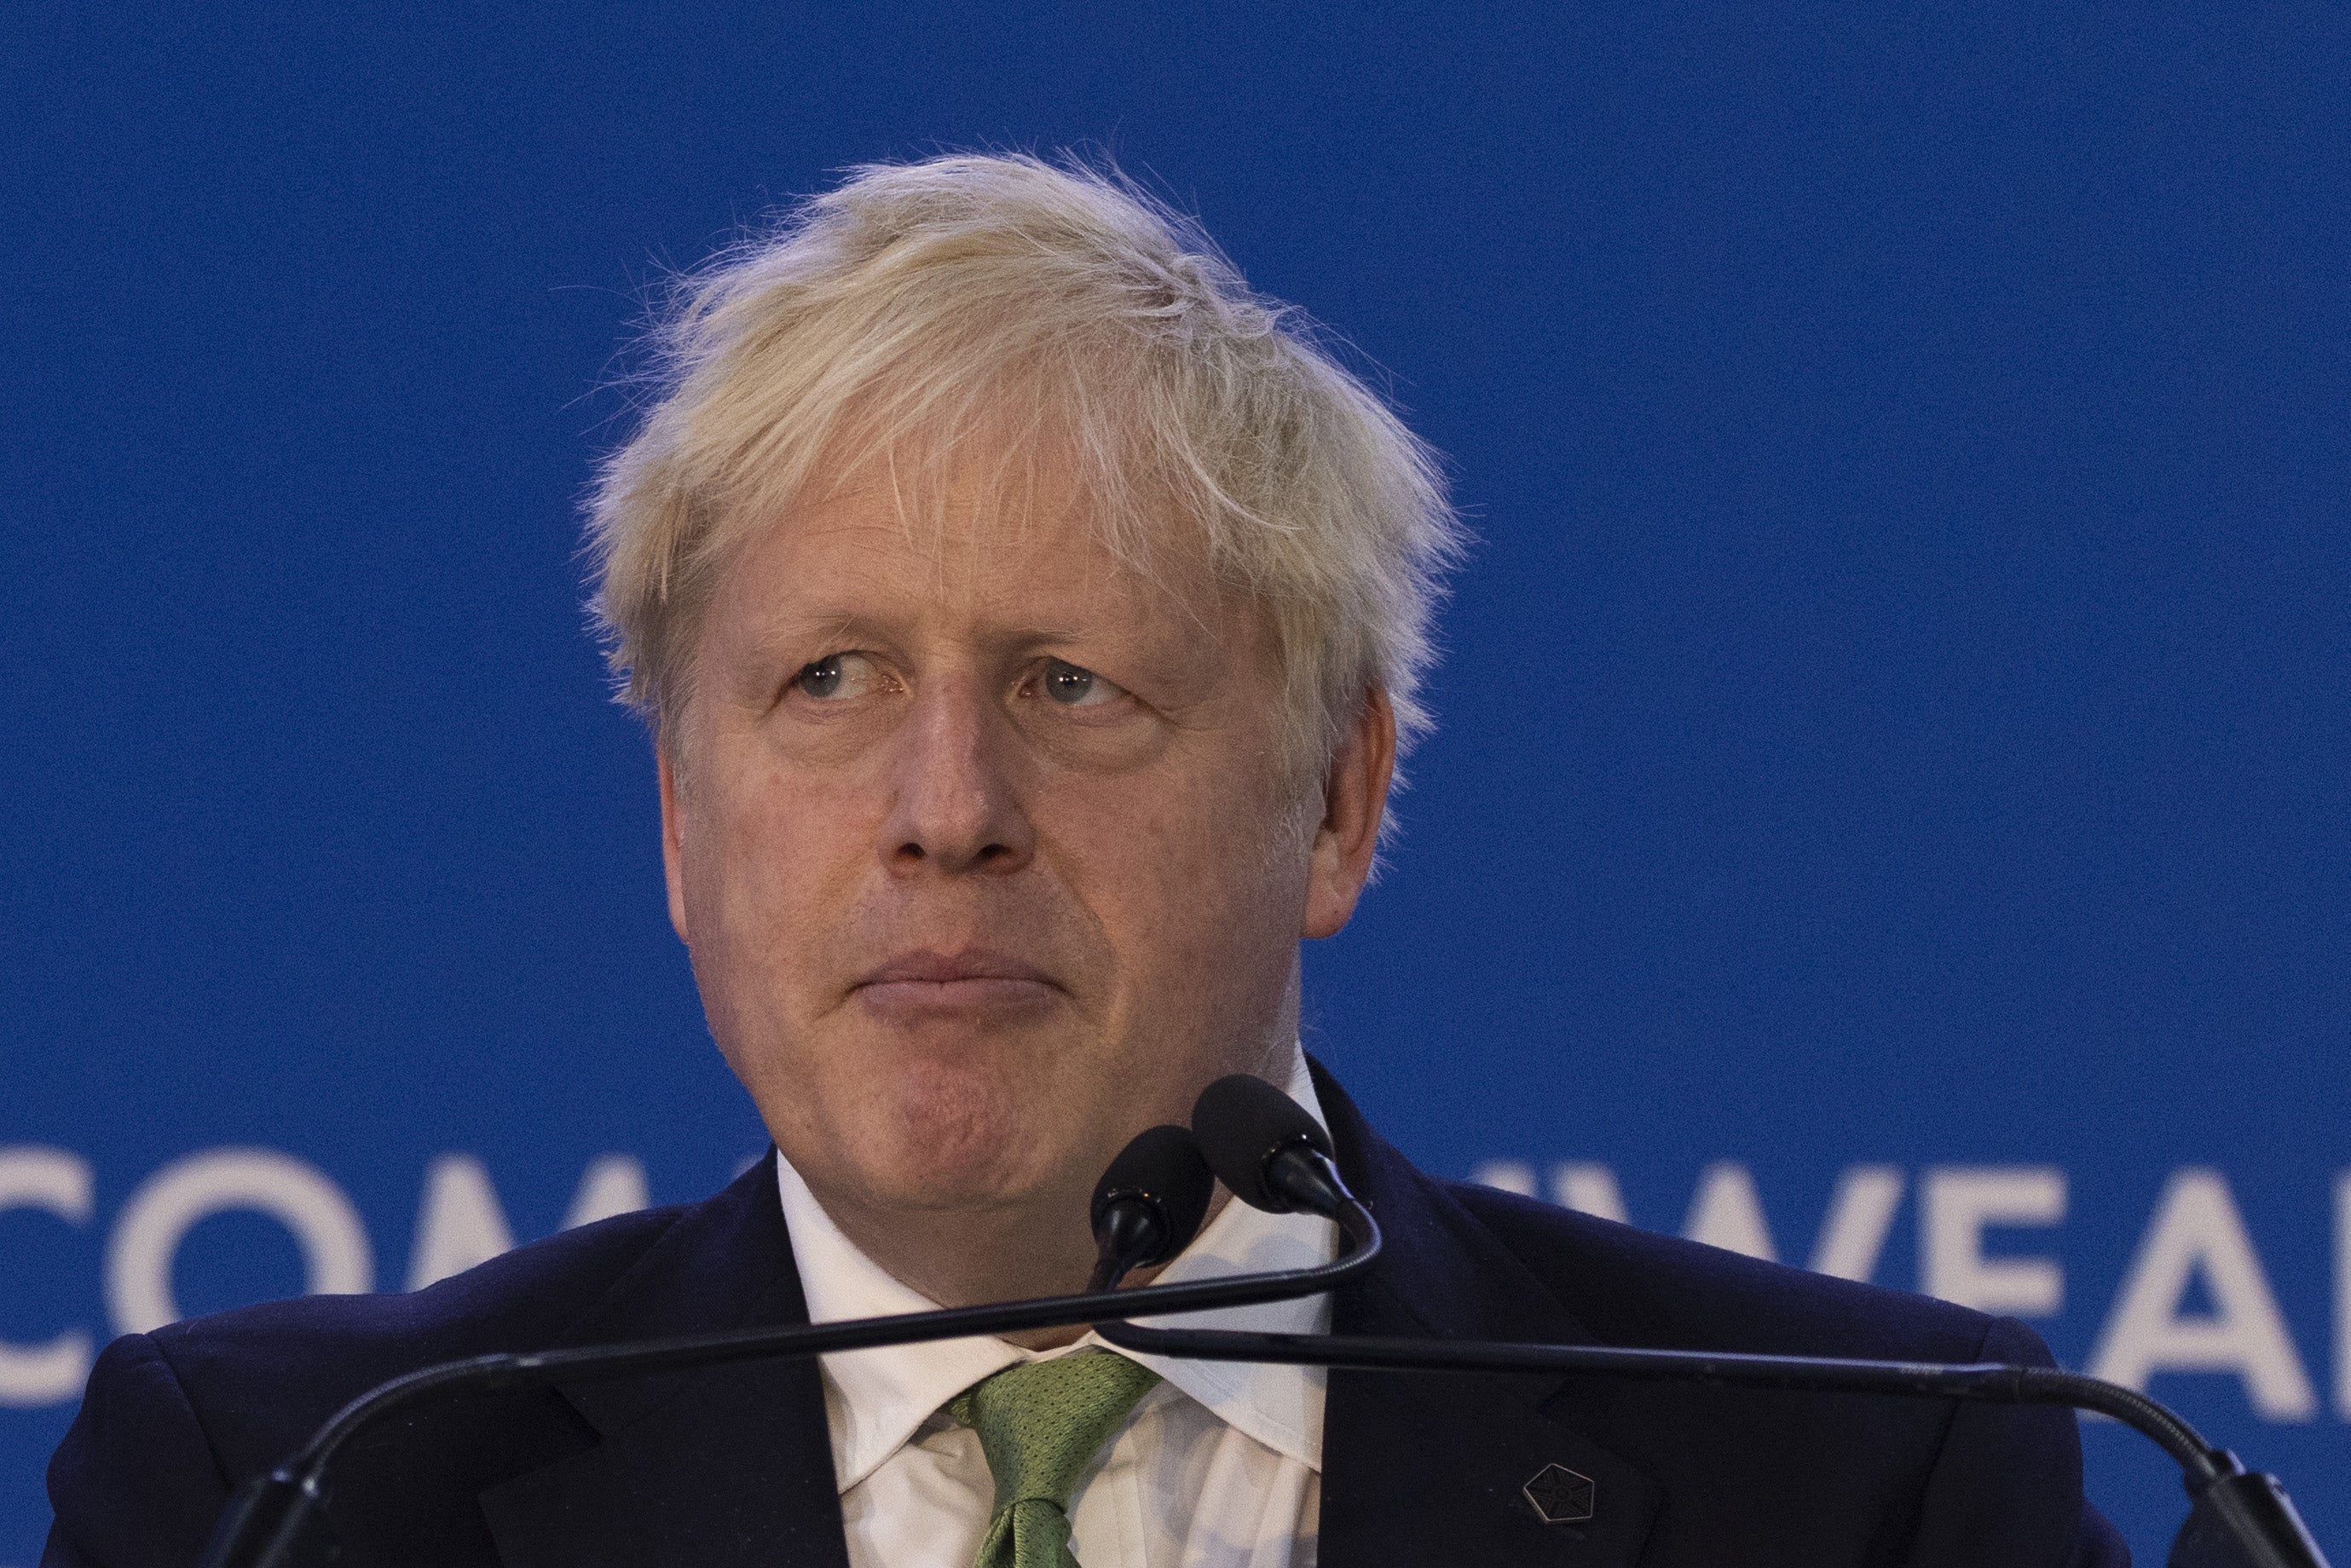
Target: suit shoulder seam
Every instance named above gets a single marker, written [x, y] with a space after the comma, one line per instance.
[163, 1358]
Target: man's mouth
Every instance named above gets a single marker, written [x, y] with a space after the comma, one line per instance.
[973, 979]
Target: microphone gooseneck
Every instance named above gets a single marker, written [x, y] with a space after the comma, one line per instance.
[1274, 1156]
[279, 1519]
[1149, 1204]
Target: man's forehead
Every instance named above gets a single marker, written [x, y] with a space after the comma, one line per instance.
[805, 590]
[865, 551]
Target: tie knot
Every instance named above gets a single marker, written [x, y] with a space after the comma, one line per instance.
[1040, 1423]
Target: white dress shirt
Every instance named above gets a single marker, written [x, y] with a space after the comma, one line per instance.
[1219, 1467]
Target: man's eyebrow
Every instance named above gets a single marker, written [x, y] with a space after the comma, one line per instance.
[835, 628]
[796, 634]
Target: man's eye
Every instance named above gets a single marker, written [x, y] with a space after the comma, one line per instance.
[1073, 686]
[836, 675]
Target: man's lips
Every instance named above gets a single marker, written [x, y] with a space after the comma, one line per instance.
[974, 979]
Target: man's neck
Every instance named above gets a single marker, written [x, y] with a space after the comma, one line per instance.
[969, 1257]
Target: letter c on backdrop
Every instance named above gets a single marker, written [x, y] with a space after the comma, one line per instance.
[336, 1257]
[58, 1183]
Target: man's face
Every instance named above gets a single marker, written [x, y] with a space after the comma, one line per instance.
[983, 848]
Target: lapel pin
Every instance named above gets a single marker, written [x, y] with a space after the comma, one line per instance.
[1559, 1495]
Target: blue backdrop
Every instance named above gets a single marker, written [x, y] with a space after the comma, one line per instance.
[1891, 802]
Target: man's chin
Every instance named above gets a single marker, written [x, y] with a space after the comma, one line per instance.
[943, 1125]
[939, 1189]
[979, 1146]
[888, 1174]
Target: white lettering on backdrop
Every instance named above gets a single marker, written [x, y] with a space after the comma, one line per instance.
[336, 1257]
[2195, 1237]
[1956, 1203]
[1726, 1212]
[2198, 1231]
[58, 1183]
[460, 1222]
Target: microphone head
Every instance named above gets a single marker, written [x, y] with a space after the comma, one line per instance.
[1162, 1168]
[1243, 1123]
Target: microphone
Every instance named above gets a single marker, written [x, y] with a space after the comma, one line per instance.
[1149, 1204]
[1146, 1208]
[1263, 1145]
[1275, 1157]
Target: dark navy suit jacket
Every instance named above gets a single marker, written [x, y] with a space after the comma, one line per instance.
[730, 1465]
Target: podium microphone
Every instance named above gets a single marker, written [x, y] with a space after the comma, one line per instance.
[1264, 1147]
[1149, 1204]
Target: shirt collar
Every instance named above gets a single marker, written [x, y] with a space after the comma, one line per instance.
[876, 1400]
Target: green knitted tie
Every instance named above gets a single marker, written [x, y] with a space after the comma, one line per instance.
[1040, 1423]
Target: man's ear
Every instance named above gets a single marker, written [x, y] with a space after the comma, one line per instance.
[673, 842]
[1354, 798]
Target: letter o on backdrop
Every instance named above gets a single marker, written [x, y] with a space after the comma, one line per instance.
[336, 1257]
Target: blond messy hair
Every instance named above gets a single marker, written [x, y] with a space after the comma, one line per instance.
[921, 313]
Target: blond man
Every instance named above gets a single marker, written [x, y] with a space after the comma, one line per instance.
[1028, 618]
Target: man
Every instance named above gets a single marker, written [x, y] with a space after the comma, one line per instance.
[1029, 619]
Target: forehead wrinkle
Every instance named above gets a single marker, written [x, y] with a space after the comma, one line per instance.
[1165, 612]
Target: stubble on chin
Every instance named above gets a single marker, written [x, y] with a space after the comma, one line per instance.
[922, 1131]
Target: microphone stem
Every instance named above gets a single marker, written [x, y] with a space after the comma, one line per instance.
[1993, 1381]
[2239, 1520]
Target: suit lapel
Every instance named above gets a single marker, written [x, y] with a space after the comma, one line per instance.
[723, 1467]
[1429, 1466]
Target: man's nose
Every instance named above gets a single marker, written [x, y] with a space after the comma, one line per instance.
[956, 809]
